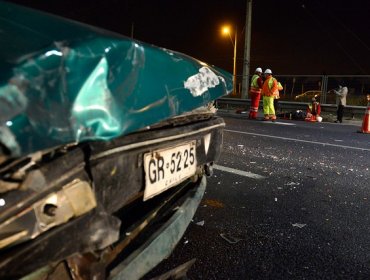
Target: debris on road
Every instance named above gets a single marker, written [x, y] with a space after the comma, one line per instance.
[292, 184]
[299, 225]
[229, 238]
[214, 203]
[201, 223]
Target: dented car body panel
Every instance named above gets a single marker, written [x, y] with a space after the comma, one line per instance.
[66, 82]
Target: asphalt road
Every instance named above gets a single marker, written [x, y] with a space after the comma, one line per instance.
[288, 200]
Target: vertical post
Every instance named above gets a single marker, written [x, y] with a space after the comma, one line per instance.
[234, 69]
[322, 98]
[247, 44]
[292, 91]
[325, 89]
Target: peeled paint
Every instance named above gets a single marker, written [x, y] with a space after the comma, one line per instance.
[65, 82]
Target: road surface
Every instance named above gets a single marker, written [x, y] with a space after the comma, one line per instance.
[288, 200]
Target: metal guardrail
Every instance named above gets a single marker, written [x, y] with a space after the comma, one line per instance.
[286, 106]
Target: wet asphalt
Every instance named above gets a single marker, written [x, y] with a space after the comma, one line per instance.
[306, 217]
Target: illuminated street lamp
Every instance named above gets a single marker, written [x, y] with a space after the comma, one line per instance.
[226, 31]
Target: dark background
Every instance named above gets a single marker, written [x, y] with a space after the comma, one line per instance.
[290, 36]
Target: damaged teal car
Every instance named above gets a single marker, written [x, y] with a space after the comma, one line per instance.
[105, 145]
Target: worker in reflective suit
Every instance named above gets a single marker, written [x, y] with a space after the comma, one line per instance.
[269, 90]
[313, 111]
[255, 93]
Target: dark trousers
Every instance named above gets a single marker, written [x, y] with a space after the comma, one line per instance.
[340, 113]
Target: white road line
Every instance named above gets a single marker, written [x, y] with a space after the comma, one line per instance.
[280, 123]
[238, 172]
[298, 140]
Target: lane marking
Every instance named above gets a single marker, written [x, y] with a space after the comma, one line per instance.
[238, 172]
[281, 123]
[298, 140]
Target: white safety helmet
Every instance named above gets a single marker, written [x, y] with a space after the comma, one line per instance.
[258, 69]
[268, 71]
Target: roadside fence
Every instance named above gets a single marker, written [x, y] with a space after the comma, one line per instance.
[301, 88]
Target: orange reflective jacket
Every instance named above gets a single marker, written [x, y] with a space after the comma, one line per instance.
[270, 87]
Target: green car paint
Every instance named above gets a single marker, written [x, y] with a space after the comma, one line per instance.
[65, 82]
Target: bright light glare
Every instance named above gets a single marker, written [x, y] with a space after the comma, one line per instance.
[226, 30]
[54, 52]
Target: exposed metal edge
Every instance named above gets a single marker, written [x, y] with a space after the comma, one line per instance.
[154, 141]
[41, 273]
[162, 243]
[178, 272]
[42, 193]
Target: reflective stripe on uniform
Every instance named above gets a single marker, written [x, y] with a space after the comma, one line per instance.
[255, 90]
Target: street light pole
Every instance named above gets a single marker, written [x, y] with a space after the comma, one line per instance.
[234, 70]
[247, 46]
[226, 30]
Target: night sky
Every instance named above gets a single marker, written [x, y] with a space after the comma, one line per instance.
[290, 36]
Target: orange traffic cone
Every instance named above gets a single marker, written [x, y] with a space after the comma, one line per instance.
[366, 122]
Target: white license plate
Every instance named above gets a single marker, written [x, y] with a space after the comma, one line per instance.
[168, 167]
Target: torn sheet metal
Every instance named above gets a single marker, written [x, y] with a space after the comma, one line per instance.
[75, 199]
[64, 82]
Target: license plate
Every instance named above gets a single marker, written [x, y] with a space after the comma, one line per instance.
[168, 167]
